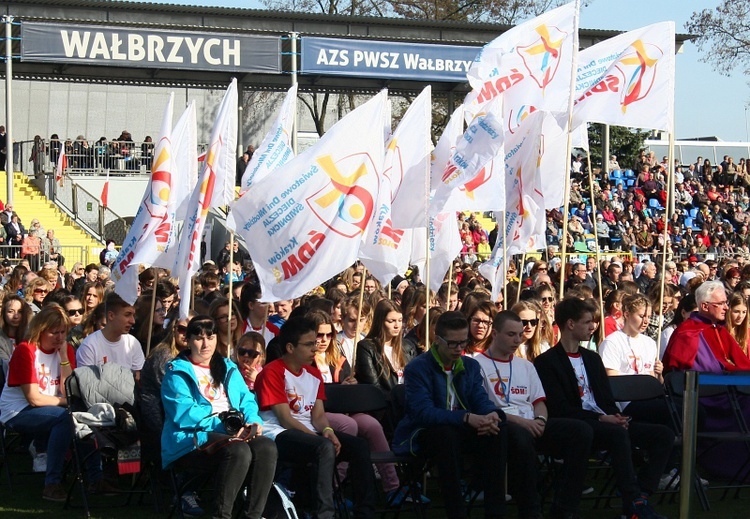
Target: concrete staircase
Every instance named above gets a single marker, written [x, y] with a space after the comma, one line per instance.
[30, 203]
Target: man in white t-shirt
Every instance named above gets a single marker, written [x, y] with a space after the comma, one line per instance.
[513, 384]
[290, 392]
[113, 343]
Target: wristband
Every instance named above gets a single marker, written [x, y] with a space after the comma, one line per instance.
[327, 429]
[466, 418]
[66, 363]
[542, 418]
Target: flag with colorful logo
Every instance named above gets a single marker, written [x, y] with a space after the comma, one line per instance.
[629, 80]
[403, 186]
[529, 65]
[215, 188]
[305, 224]
[407, 163]
[153, 221]
[444, 244]
[276, 148]
[104, 197]
[62, 163]
[480, 143]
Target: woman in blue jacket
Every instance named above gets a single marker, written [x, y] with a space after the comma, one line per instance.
[199, 385]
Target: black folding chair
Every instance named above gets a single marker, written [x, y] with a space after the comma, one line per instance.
[675, 385]
[367, 398]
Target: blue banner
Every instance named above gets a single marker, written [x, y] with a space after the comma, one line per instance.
[387, 60]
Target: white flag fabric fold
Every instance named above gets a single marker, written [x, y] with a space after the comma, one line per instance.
[407, 163]
[403, 185]
[444, 245]
[529, 65]
[276, 148]
[628, 80]
[480, 143]
[493, 270]
[153, 224]
[554, 163]
[305, 224]
[215, 189]
[445, 146]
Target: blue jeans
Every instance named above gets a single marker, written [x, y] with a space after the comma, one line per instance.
[52, 424]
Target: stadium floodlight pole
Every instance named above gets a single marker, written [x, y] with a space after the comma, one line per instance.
[8, 21]
[293, 37]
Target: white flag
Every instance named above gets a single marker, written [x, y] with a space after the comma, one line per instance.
[480, 143]
[153, 225]
[629, 80]
[444, 245]
[305, 224]
[407, 163]
[445, 146]
[403, 185]
[530, 66]
[525, 214]
[554, 163]
[215, 189]
[493, 270]
[276, 148]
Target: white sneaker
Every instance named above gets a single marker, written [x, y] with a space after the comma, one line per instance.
[40, 462]
[671, 481]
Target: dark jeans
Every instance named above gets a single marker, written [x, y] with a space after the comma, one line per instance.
[311, 449]
[236, 465]
[563, 438]
[655, 440]
[50, 426]
[445, 444]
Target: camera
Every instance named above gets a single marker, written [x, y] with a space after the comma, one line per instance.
[233, 420]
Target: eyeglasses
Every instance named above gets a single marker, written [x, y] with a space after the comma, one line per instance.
[720, 303]
[310, 345]
[542, 269]
[41, 291]
[529, 322]
[548, 299]
[454, 344]
[324, 335]
[242, 352]
[481, 322]
[75, 311]
[181, 329]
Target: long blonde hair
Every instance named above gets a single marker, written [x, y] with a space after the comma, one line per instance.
[50, 316]
[533, 345]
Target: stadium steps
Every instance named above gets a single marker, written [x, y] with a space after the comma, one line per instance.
[30, 203]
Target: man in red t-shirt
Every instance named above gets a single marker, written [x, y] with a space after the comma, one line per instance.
[290, 392]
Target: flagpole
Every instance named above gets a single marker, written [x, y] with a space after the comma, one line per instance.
[665, 245]
[520, 276]
[450, 282]
[359, 316]
[230, 296]
[505, 262]
[596, 235]
[151, 318]
[566, 198]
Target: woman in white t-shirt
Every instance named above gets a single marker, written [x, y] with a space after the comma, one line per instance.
[33, 401]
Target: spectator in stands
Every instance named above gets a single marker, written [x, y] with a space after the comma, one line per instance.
[52, 249]
[91, 275]
[15, 231]
[108, 255]
[147, 152]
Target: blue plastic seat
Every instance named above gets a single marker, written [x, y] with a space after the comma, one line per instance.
[629, 173]
[630, 182]
[654, 204]
[615, 174]
[693, 212]
[688, 221]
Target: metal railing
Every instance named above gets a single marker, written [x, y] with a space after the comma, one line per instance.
[70, 255]
[113, 157]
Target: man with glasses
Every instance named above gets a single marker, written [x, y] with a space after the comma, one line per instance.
[448, 412]
[701, 342]
[512, 383]
[290, 393]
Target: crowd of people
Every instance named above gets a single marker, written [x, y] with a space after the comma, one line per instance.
[504, 379]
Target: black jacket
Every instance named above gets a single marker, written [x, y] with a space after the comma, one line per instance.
[561, 386]
[369, 367]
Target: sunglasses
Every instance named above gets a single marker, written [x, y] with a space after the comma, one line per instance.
[181, 329]
[325, 335]
[75, 311]
[41, 291]
[242, 352]
[548, 299]
[529, 322]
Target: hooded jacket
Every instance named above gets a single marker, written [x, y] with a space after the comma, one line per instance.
[188, 414]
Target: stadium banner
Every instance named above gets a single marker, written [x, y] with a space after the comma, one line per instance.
[149, 48]
[386, 59]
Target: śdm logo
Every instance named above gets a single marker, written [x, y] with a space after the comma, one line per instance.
[157, 203]
[517, 117]
[345, 203]
[542, 57]
[484, 175]
[637, 66]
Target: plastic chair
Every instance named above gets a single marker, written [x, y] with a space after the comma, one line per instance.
[615, 174]
[654, 204]
[629, 173]
[693, 212]
[630, 182]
